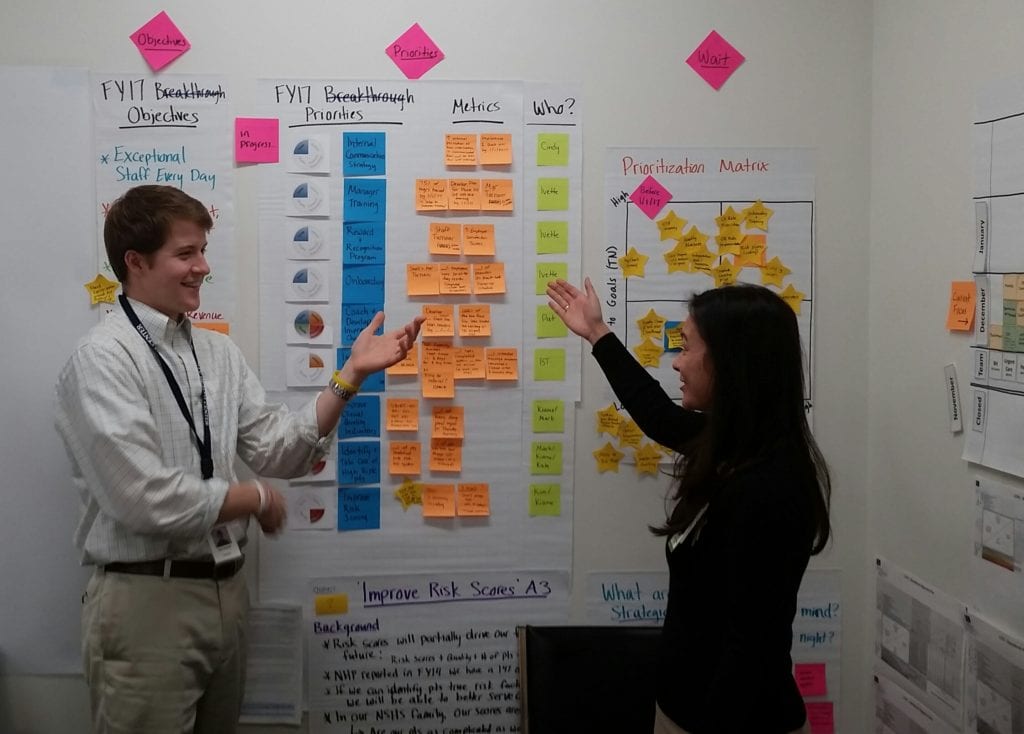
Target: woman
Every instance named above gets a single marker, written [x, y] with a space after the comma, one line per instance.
[750, 503]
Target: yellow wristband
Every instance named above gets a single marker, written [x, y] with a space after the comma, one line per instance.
[342, 388]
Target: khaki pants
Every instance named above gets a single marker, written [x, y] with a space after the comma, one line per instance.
[665, 725]
[164, 656]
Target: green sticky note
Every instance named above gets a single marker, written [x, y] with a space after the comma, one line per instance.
[553, 149]
[1009, 313]
[546, 272]
[545, 499]
[552, 194]
[548, 416]
[546, 457]
[552, 238]
[549, 364]
[549, 326]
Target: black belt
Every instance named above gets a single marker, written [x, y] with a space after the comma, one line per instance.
[180, 569]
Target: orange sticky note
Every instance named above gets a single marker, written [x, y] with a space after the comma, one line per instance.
[473, 500]
[464, 194]
[502, 363]
[405, 457]
[408, 366]
[470, 363]
[497, 195]
[221, 327]
[448, 421]
[438, 500]
[496, 149]
[474, 319]
[438, 371]
[444, 238]
[328, 604]
[459, 150]
[454, 279]
[810, 679]
[961, 306]
[431, 194]
[440, 320]
[478, 239]
[446, 454]
[402, 414]
[422, 279]
[489, 278]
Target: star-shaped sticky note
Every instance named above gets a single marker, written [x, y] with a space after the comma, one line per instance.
[703, 261]
[773, 272]
[757, 215]
[729, 239]
[101, 290]
[793, 297]
[674, 336]
[678, 259]
[648, 353]
[608, 458]
[651, 325]
[647, 458]
[694, 239]
[159, 41]
[650, 197]
[608, 421]
[630, 433]
[409, 493]
[671, 226]
[725, 274]
[633, 263]
[751, 251]
[728, 218]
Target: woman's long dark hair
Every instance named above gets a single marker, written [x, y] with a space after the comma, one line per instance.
[757, 405]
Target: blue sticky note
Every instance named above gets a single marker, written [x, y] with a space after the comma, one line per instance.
[355, 317]
[363, 154]
[362, 243]
[362, 284]
[358, 462]
[373, 383]
[361, 418]
[364, 199]
[358, 508]
[670, 326]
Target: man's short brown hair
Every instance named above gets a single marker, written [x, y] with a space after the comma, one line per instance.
[141, 220]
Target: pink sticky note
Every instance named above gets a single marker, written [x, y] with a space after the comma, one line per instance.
[650, 196]
[414, 52]
[256, 140]
[160, 42]
[715, 60]
[821, 717]
[810, 679]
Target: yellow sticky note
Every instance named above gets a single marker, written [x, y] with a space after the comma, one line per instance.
[793, 297]
[431, 194]
[552, 237]
[728, 218]
[546, 457]
[671, 226]
[502, 363]
[489, 278]
[474, 319]
[402, 414]
[444, 238]
[725, 273]
[440, 320]
[757, 215]
[496, 149]
[552, 149]
[405, 457]
[630, 433]
[679, 259]
[459, 150]
[438, 500]
[674, 336]
[409, 493]
[651, 325]
[552, 194]
[549, 365]
[694, 239]
[473, 500]
[548, 416]
[448, 421]
[328, 604]
[729, 239]
[961, 306]
[422, 279]
[549, 325]
[101, 290]
[545, 499]
[751, 250]
[773, 272]
[647, 458]
[608, 458]
[408, 366]
[445, 454]
[1011, 285]
[608, 421]
[478, 239]
[453, 279]
[648, 353]
[633, 263]
[464, 194]
[703, 260]
[546, 272]
[497, 195]
[470, 363]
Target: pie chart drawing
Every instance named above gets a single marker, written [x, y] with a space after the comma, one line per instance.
[307, 240]
[311, 509]
[310, 324]
[309, 369]
[306, 282]
[306, 197]
[308, 153]
[319, 466]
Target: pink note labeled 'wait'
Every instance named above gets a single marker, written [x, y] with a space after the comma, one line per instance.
[256, 140]
[414, 52]
[715, 60]
[160, 42]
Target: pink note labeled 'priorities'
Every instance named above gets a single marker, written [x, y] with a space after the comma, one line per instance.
[810, 679]
[414, 52]
[715, 60]
[650, 196]
[256, 140]
[160, 42]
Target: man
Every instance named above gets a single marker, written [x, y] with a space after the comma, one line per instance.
[153, 414]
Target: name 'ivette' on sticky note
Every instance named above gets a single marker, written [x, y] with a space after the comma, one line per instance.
[326, 604]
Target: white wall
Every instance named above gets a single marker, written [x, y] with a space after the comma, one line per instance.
[807, 82]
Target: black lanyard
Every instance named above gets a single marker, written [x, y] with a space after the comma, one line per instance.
[204, 445]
